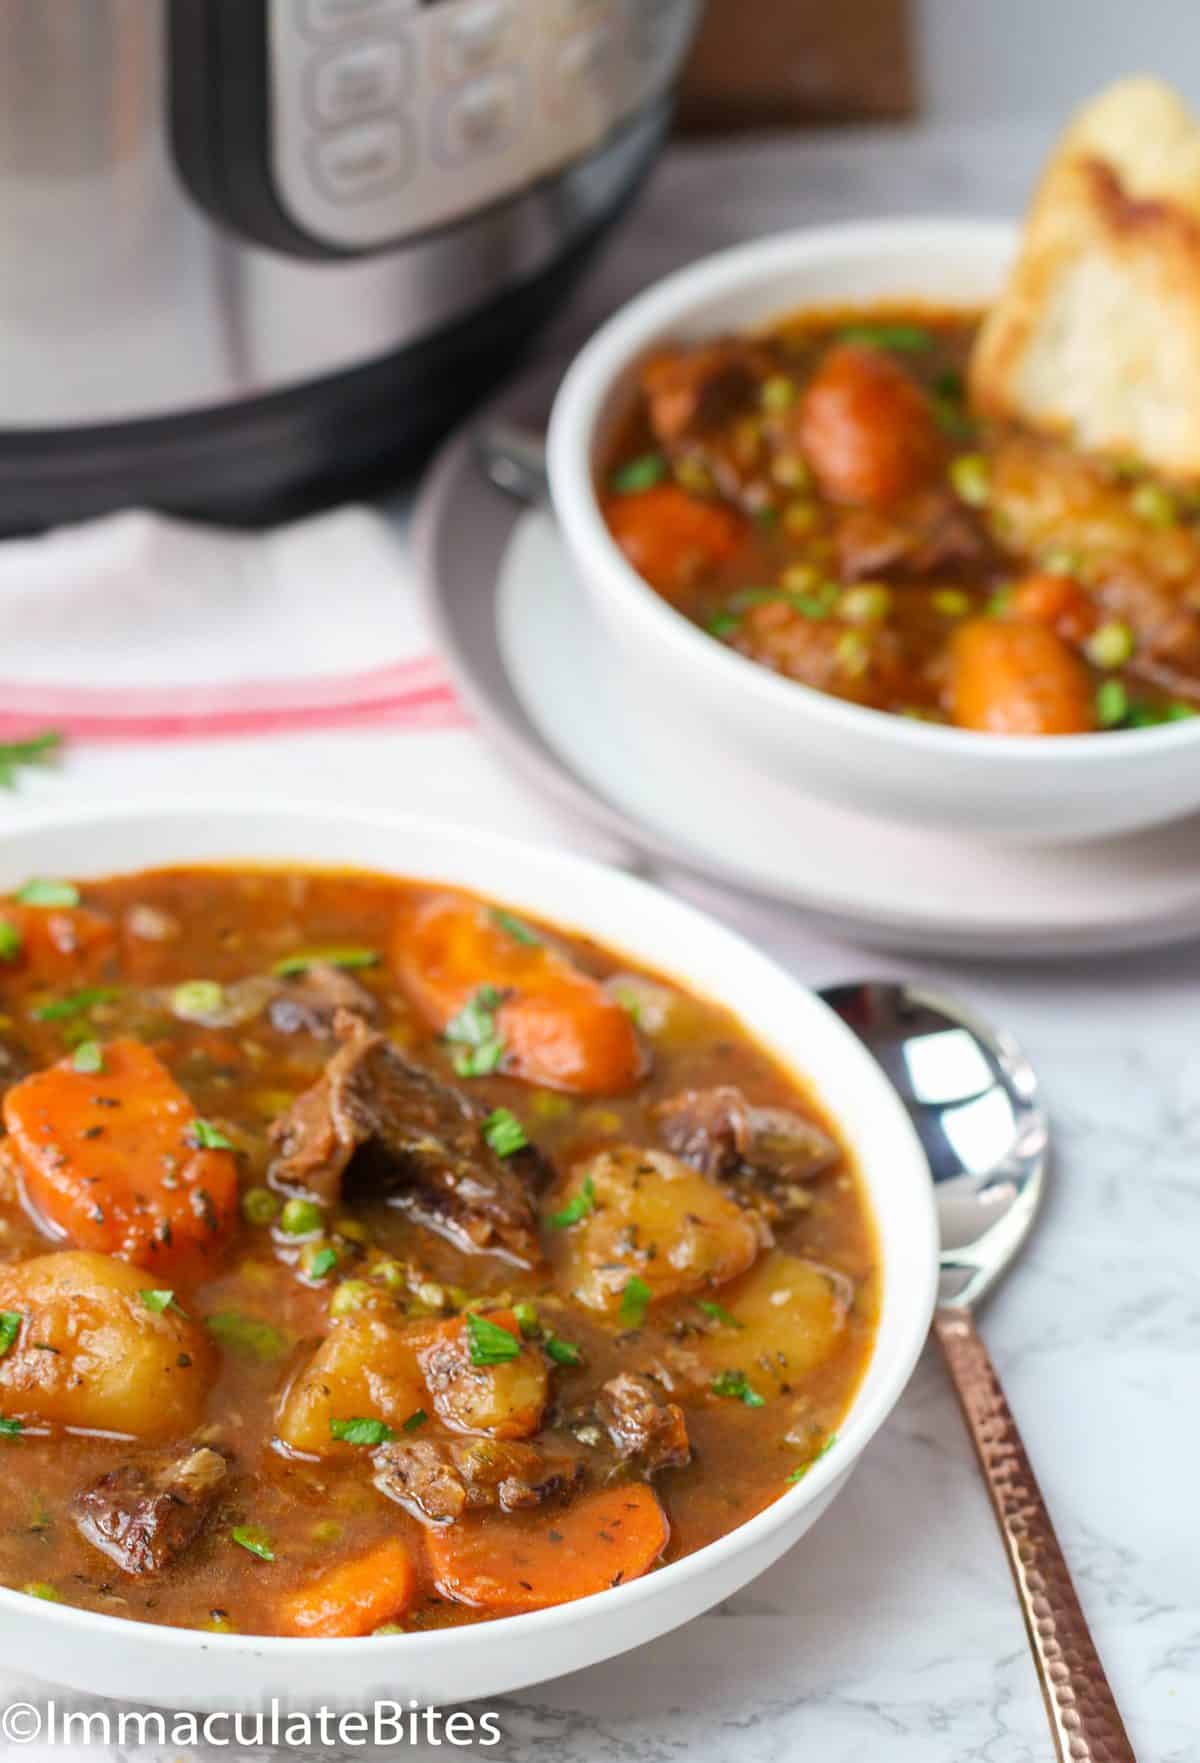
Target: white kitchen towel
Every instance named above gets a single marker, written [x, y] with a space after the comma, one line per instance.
[179, 659]
[141, 628]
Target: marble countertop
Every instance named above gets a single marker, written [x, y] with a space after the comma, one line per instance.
[891, 1634]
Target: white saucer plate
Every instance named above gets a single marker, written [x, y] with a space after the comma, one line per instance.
[541, 677]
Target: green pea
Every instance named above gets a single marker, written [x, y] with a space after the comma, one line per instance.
[351, 1295]
[300, 1218]
[971, 479]
[865, 603]
[1154, 504]
[260, 1206]
[1110, 644]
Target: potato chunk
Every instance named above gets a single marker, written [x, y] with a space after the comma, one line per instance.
[369, 1368]
[791, 1314]
[653, 1216]
[474, 1390]
[365, 1368]
[92, 1354]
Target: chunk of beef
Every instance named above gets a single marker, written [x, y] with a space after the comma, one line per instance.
[692, 392]
[308, 1003]
[416, 1139]
[642, 1424]
[770, 1150]
[144, 1520]
[439, 1479]
[933, 533]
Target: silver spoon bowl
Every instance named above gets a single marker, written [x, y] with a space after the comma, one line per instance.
[973, 1098]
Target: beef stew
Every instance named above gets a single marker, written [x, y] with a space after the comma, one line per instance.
[373, 1258]
[821, 498]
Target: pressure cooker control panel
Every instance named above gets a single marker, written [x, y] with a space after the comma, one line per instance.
[382, 119]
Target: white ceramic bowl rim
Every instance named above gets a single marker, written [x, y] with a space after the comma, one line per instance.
[865, 1416]
[650, 318]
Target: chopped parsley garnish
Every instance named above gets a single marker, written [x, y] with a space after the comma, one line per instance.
[800, 1473]
[9, 1429]
[256, 1541]
[718, 1312]
[723, 624]
[638, 474]
[37, 750]
[157, 1302]
[1112, 703]
[474, 1032]
[87, 1057]
[737, 1385]
[320, 1262]
[207, 1137]
[516, 928]
[905, 339]
[247, 1336]
[504, 1132]
[415, 1421]
[815, 606]
[635, 1297]
[576, 1208]
[362, 1430]
[338, 957]
[43, 891]
[10, 940]
[10, 1328]
[488, 1343]
[562, 1352]
[73, 1004]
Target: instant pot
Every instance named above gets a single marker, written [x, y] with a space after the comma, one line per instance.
[253, 249]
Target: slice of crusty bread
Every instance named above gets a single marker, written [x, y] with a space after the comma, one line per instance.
[1097, 335]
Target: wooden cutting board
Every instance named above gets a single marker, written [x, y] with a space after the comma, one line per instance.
[787, 63]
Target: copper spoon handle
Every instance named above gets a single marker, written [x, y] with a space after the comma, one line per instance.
[1083, 1712]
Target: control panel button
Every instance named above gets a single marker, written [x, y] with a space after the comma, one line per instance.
[330, 18]
[345, 84]
[481, 117]
[475, 37]
[363, 161]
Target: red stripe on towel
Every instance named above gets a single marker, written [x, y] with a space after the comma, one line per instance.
[408, 694]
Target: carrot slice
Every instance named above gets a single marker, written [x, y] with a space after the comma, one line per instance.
[108, 1159]
[57, 942]
[527, 1562]
[1018, 679]
[354, 1597]
[669, 536]
[556, 1025]
[867, 429]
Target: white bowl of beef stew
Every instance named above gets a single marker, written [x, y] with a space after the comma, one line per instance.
[867, 280]
[209, 986]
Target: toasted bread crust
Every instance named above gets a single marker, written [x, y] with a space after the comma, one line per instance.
[1096, 338]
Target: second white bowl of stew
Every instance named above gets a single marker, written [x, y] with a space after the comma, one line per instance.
[798, 535]
[441, 1269]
